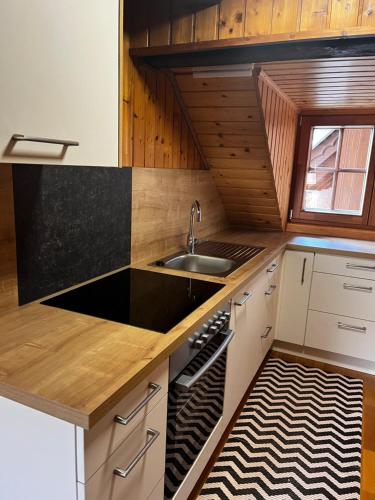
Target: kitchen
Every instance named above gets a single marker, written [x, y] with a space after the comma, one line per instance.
[146, 310]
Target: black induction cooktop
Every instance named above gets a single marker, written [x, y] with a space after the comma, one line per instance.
[145, 299]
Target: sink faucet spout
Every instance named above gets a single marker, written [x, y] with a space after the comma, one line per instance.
[195, 211]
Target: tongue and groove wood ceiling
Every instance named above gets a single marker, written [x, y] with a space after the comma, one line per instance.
[326, 84]
[246, 130]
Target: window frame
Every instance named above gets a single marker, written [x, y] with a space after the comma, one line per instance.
[307, 122]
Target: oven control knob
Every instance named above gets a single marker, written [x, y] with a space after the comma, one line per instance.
[205, 327]
[219, 323]
[213, 329]
[205, 337]
[227, 315]
[194, 338]
[198, 344]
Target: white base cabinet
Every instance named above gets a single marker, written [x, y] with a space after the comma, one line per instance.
[333, 310]
[45, 458]
[253, 320]
[60, 80]
[38, 455]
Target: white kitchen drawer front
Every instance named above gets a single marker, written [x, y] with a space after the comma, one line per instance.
[140, 459]
[343, 295]
[102, 440]
[340, 334]
[345, 266]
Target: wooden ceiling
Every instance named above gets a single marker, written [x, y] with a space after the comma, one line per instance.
[226, 116]
[326, 83]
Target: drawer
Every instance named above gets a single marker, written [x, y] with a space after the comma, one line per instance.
[342, 295]
[340, 334]
[96, 445]
[146, 473]
[345, 266]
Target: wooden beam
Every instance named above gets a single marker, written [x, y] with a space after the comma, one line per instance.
[356, 42]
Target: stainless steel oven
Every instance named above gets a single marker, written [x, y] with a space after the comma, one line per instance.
[196, 396]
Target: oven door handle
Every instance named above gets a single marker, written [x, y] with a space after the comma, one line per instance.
[185, 382]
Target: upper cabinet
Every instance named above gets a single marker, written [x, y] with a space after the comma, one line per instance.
[60, 80]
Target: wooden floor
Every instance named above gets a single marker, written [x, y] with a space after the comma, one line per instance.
[368, 428]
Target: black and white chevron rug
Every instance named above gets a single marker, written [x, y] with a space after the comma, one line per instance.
[298, 437]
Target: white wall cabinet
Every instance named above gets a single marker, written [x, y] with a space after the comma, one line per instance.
[60, 79]
[294, 296]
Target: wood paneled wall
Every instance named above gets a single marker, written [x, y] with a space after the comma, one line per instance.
[156, 130]
[280, 117]
[7, 232]
[8, 272]
[227, 117]
[161, 209]
[169, 23]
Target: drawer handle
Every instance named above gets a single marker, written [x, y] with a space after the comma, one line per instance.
[360, 267]
[271, 289]
[125, 420]
[273, 268]
[353, 328]
[246, 297]
[153, 434]
[266, 333]
[356, 288]
[27, 138]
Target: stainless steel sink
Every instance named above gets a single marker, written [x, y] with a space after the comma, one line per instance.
[203, 264]
[211, 257]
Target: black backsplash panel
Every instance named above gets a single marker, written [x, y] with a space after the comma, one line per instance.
[72, 224]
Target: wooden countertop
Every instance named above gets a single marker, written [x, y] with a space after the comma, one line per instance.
[77, 367]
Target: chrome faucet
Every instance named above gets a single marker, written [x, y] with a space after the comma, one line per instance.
[191, 240]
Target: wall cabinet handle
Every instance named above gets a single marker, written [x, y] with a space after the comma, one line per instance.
[303, 271]
[348, 286]
[271, 289]
[273, 268]
[360, 267]
[266, 332]
[245, 298]
[353, 328]
[125, 420]
[29, 138]
[125, 472]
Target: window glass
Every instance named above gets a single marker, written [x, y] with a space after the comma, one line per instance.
[337, 168]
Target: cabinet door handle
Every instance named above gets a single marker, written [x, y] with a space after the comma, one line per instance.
[28, 138]
[245, 298]
[359, 267]
[348, 286]
[125, 472]
[271, 289]
[125, 420]
[303, 271]
[273, 268]
[266, 332]
[353, 328]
